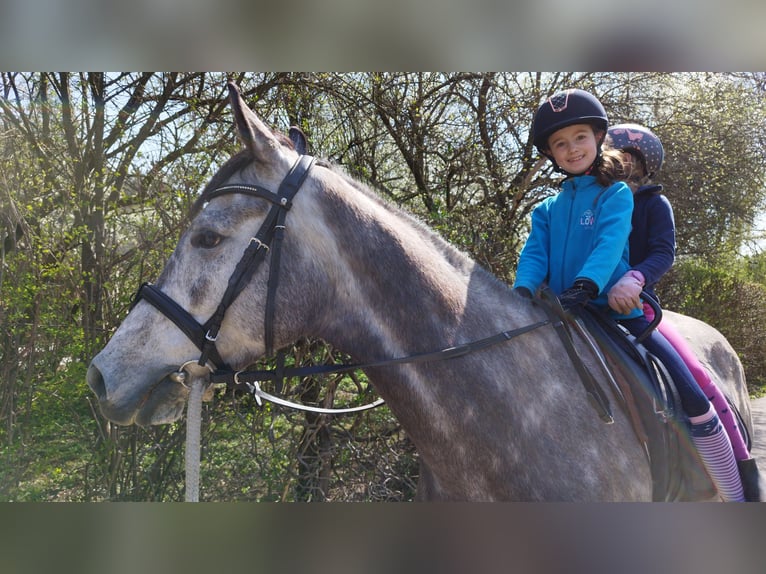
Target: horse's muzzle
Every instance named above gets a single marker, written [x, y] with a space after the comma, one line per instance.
[162, 403]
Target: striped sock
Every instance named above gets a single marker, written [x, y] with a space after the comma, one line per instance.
[714, 448]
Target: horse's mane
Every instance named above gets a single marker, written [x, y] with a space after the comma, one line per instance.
[456, 257]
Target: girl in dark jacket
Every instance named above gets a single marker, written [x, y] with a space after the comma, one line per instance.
[652, 252]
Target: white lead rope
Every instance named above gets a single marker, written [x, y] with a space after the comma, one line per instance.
[193, 437]
[196, 388]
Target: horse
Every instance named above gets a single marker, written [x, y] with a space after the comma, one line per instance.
[507, 421]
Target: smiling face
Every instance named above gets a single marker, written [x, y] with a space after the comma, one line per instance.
[574, 148]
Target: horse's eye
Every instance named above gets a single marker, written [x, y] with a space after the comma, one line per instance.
[206, 239]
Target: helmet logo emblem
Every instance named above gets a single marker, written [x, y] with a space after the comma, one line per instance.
[559, 101]
[632, 136]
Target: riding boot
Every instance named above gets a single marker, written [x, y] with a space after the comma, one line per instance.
[748, 473]
[714, 448]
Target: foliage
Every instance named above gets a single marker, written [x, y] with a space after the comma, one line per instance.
[715, 168]
[97, 174]
[731, 298]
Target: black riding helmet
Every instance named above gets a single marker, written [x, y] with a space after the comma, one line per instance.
[564, 109]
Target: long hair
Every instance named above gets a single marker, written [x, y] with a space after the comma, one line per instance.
[609, 167]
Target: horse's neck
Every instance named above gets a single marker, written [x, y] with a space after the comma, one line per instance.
[402, 290]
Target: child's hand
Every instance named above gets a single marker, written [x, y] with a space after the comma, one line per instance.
[524, 292]
[578, 295]
[625, 295]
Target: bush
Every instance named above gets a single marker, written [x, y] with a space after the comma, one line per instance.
[729, 299]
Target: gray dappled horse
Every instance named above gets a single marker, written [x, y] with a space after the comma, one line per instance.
[509, 422]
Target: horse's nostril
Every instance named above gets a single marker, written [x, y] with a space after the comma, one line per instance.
[96, 381]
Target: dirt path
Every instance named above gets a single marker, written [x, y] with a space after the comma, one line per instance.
[758, 410]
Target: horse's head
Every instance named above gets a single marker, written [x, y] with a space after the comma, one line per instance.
[134, 376]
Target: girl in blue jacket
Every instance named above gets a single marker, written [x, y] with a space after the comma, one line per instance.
[578, 242]
[578, 245]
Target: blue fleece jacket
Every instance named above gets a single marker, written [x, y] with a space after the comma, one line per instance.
[582, 232]
[653, 239]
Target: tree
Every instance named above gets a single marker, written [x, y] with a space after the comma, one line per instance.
[85, 158]
[715, 173]
[97, 172]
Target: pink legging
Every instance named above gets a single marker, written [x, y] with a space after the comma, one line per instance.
[713, 393]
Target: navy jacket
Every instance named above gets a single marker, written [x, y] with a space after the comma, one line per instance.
[653, 237]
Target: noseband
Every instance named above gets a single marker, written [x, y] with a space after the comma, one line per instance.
[267, 239]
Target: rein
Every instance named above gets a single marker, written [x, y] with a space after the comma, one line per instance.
[248, 380]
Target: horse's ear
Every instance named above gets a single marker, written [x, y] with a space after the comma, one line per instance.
[299, 140]
[255, 135]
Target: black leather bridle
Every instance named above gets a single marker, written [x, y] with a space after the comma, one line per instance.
[267, 239]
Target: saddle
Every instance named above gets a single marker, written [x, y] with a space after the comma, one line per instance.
[644, 390]
[677, 473]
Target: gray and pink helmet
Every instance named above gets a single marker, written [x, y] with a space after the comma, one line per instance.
[642, 141]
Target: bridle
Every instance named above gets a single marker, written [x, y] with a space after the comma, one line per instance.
[267, 240]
